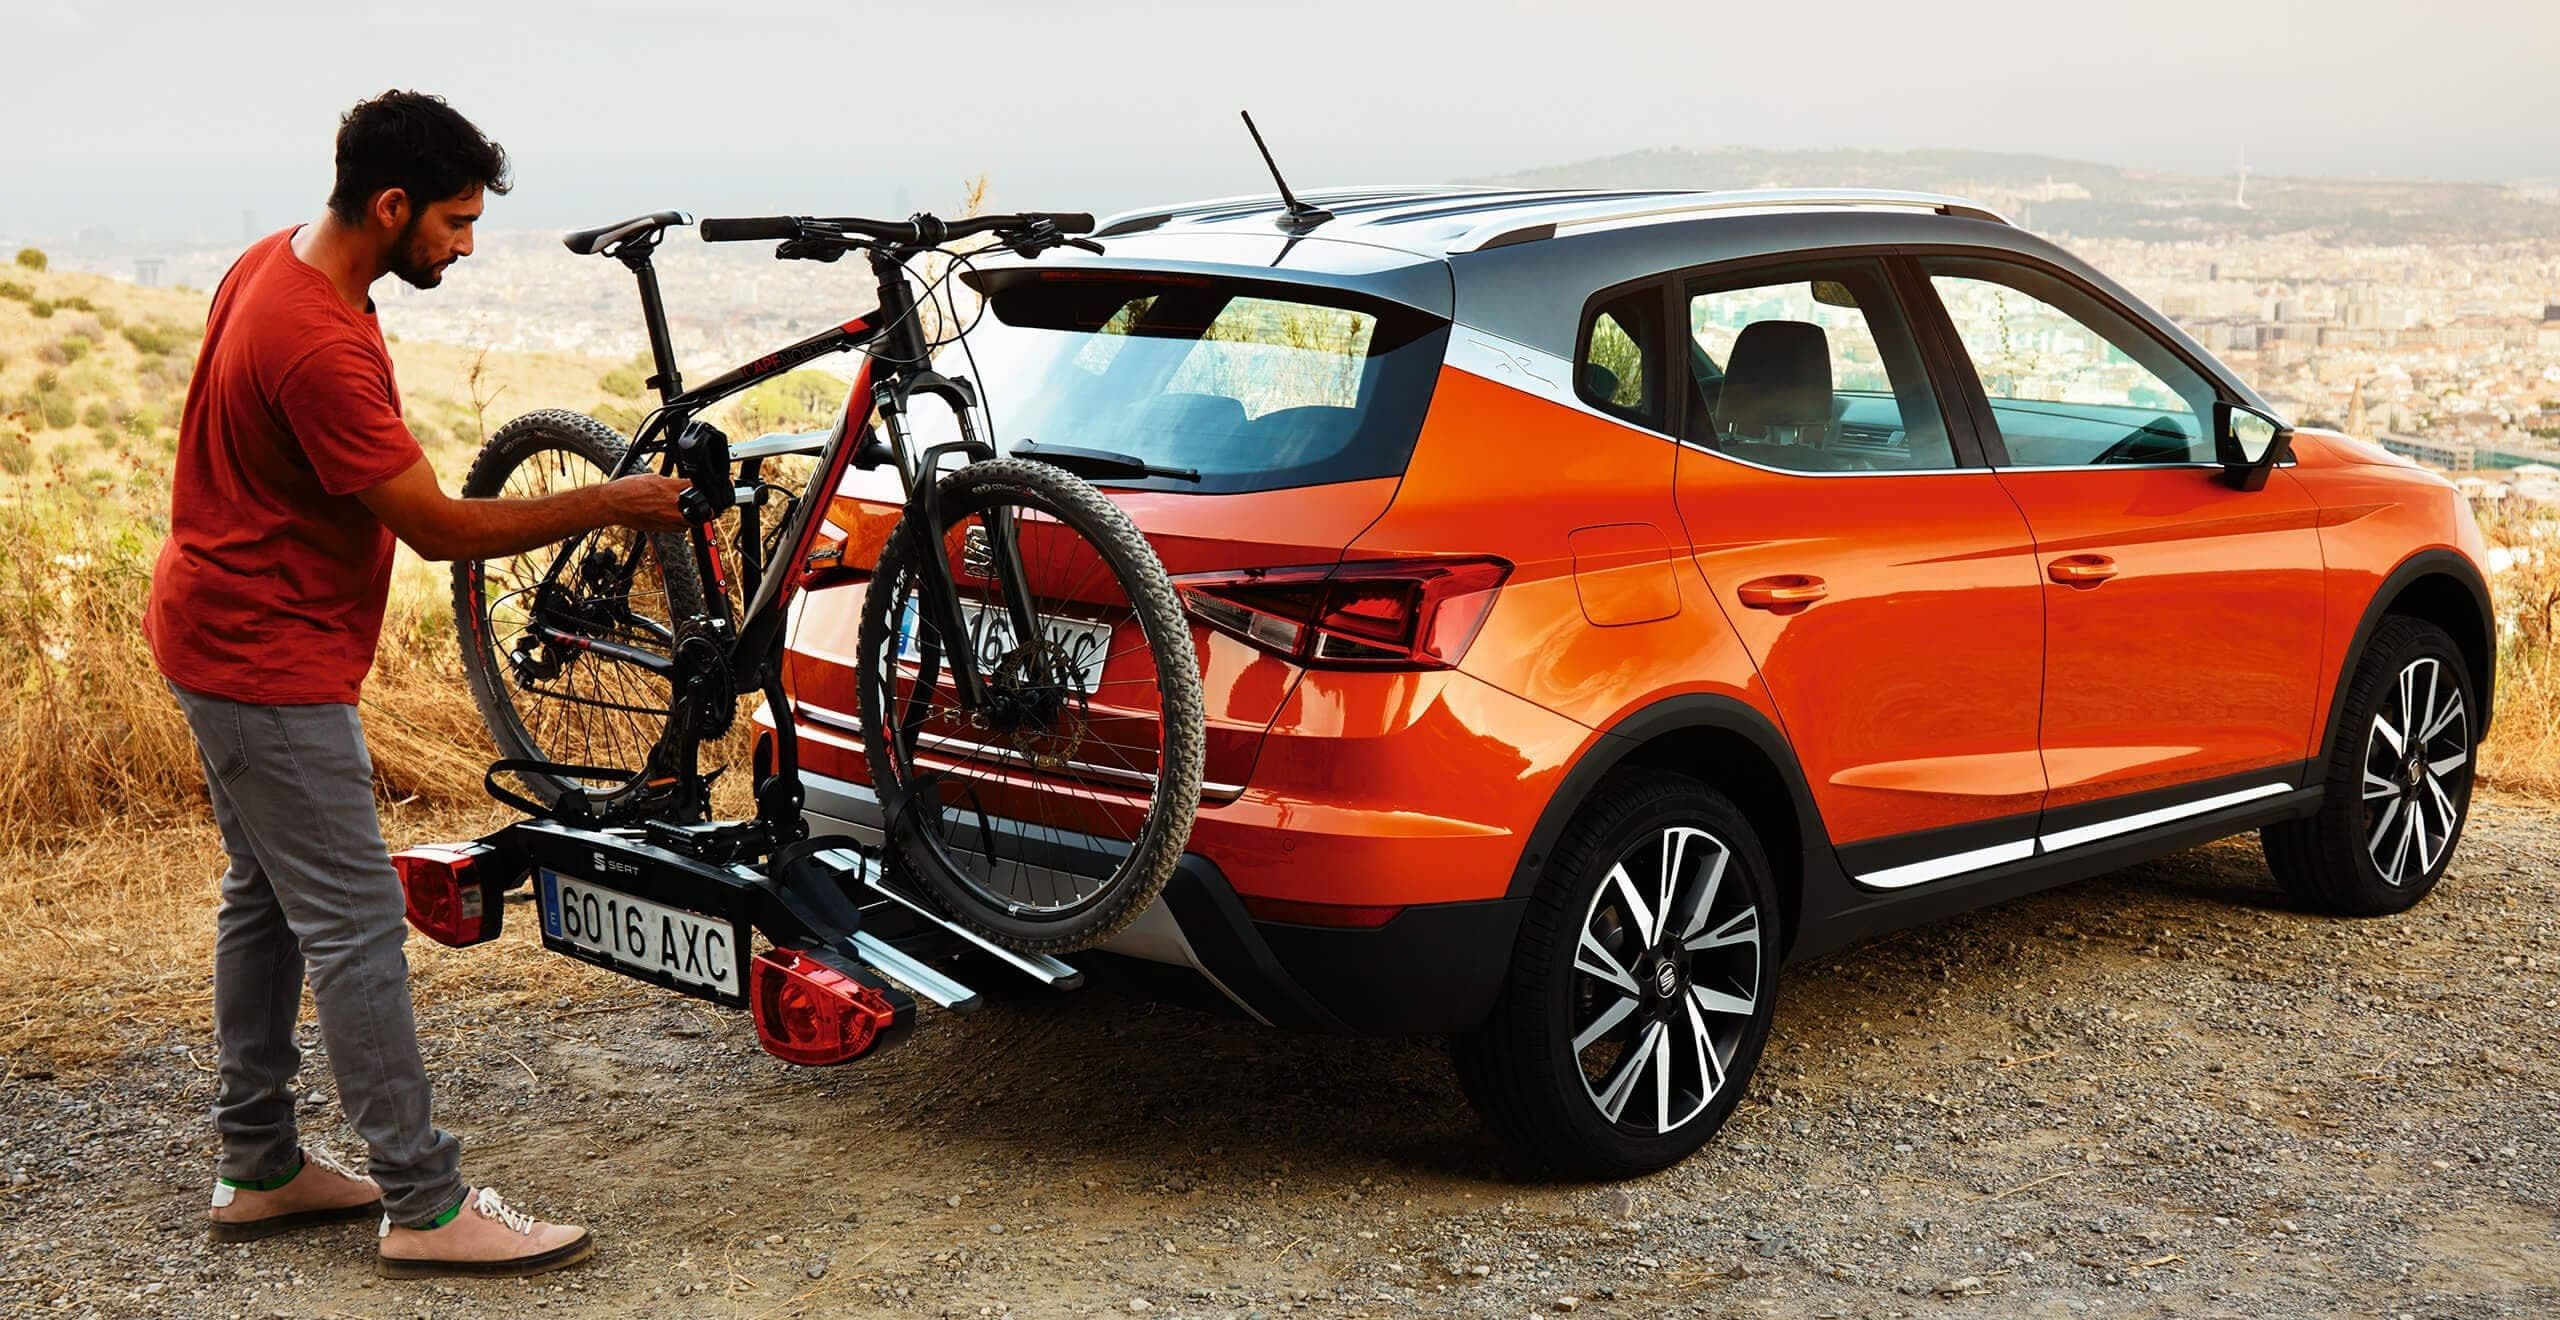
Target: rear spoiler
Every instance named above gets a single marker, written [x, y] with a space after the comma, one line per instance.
[1279, 263]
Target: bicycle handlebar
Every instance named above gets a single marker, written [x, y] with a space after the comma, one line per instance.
[920, 229]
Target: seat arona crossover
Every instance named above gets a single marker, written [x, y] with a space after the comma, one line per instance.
[1604, 597]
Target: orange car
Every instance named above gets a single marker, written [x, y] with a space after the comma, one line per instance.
[1602, 597]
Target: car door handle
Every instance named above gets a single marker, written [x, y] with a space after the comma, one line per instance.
[1789, 592]
[2081, 570]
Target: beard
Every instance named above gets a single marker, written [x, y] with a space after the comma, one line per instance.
[410, 262]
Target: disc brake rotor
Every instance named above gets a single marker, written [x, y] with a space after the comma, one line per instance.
[1047, 722]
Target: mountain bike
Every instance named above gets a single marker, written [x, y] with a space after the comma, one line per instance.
[1028, 662]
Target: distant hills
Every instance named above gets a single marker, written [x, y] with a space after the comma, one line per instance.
[2077, 197]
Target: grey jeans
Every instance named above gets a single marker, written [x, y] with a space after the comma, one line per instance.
[311, 885]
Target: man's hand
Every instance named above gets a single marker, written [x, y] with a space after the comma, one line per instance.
[441, 527]
[646, 501]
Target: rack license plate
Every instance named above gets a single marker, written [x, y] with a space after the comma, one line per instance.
[654, 940]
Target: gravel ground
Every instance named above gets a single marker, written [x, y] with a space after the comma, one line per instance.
[2159, 1093]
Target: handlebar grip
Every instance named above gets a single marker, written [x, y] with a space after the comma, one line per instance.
[1071, 222]
[748, 228]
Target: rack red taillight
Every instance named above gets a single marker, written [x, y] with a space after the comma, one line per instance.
[1361, 614]
[807, 1012]
[454, 891]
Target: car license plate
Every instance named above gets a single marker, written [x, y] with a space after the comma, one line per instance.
[634, 933]
[1085, 645]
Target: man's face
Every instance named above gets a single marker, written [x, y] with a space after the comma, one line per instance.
[433, 237]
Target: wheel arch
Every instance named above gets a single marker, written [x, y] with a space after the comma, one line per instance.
[2446, 589]
[1725, 744]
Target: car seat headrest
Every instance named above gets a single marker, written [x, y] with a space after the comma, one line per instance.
[1779, 374]
[1598, 382]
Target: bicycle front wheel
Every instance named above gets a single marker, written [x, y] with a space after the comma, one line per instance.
[1050, 812]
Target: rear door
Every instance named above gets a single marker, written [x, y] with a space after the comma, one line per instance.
[1884, 584]
[2182, 616]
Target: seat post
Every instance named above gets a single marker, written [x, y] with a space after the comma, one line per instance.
[653, 310]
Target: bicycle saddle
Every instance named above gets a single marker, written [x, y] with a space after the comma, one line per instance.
[587, 241]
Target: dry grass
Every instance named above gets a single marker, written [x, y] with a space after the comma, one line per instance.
[2523, 750]
[107, 937]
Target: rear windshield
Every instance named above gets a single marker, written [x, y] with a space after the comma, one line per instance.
[1257, 387]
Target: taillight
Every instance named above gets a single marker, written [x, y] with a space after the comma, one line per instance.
[807, 1012]
[1361, 614]
[454, 891]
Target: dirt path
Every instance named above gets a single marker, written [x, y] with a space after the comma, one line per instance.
[2160, 1093]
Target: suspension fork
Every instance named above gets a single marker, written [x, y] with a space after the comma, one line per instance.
[937, 591]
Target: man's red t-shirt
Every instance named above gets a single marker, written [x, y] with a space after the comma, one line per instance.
[271, 585]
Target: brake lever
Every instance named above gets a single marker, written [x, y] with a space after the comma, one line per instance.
[808, 249]
[1031, 242]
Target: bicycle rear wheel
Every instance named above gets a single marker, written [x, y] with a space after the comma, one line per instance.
[1052, 815]
[547, 702]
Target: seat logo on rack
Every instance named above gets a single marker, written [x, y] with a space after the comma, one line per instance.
[977, 558]
[604, 863]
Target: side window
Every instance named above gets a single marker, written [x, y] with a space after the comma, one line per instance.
[1621, 367]
[2071, 381]
[1810, 371]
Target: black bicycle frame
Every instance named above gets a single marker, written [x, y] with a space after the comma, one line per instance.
[897, 369]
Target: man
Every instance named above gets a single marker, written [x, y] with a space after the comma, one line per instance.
[294, 472]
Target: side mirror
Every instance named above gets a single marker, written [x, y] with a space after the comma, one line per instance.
[2251, 443]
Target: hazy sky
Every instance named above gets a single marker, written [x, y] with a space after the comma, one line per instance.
[168, 120]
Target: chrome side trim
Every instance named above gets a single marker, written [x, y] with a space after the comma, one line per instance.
[2120, 467]
[2001, 854]
[1938, 868]
[2107, 829]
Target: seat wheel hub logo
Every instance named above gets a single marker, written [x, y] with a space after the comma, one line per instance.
[1666, 979]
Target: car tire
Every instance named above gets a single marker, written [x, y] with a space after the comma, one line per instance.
[1621, 1040]
[2391, 812]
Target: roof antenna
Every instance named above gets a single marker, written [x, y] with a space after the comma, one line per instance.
[1301, 217]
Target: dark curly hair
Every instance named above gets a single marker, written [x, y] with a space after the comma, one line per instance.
[416, 143]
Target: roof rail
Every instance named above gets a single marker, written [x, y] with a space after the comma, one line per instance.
[1145, 218]
[1502, 233]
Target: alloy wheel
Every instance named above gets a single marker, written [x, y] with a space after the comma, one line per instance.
[1667, 978]
[2416, 763]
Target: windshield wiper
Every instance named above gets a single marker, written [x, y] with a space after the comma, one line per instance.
[1101, 464]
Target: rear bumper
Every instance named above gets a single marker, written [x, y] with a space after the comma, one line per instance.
[1433, 968]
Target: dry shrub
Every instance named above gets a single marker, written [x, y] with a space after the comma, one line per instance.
[87, 732]
[90, 734]
[2523, 748]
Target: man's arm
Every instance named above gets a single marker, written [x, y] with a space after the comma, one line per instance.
[440, 527]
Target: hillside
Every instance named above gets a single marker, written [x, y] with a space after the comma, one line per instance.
[2086, 199]
[93, 376]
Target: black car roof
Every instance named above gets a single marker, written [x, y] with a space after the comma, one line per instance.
[1524, 263]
